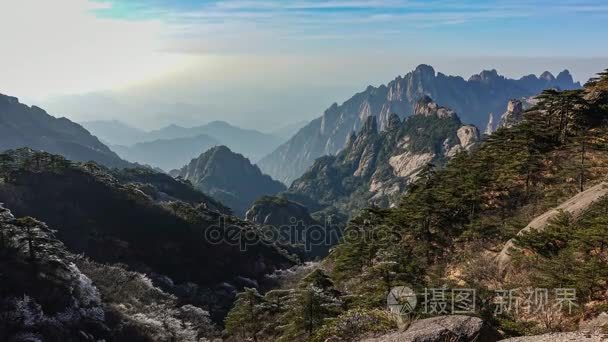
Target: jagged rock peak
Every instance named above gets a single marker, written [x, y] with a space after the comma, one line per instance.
[565, 77]
[427, 107]
[485, 75]
[370, 125]
[515, 106]
[547, 76]
[425, 69]
[468, 136]
[393, 121]
[513, 115]
[350, 139]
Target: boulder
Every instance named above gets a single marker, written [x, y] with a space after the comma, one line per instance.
[444, 328]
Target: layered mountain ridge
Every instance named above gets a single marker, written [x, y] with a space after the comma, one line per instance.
[172, 146]
[487, 92]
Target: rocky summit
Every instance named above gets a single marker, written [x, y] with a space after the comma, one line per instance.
[484, 93]
[229, 177]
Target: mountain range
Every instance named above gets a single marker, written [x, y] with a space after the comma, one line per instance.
[134, 144]
[166, 154]
[475, 98]
[375, 167]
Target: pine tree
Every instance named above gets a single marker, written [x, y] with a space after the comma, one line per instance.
[244, 320]
[314, 301]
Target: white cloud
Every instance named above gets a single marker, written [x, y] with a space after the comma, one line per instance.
[54, 47]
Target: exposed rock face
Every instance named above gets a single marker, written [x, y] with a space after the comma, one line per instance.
[574, 206]
[426, 107]
[513, 115]
[444, 328]
[230, 178]
[490, 126]
[485, 93]
[24, 126]
[375, 167]
[468, 135]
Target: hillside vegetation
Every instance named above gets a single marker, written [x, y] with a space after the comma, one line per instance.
[451, 224]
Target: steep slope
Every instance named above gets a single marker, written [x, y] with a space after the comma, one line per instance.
[574, 207]
[50, 294]
[375, 167]
[474, 99]
[167, 154]
[23, 126]
[147, 221]
[230, 178]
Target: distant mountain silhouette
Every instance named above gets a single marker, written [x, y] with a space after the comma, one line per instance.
[166, 154]
[251, 143]
[24, 126]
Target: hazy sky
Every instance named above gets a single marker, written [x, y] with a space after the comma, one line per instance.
[266, 63]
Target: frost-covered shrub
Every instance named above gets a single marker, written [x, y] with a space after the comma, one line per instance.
[144, 309]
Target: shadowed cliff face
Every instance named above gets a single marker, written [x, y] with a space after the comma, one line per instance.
[375, 166]
[473, 99]
[230, 178]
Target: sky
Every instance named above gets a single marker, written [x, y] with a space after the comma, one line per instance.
[266, 63]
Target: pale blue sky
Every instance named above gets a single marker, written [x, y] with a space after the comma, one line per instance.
[266, 63]
[464, 28]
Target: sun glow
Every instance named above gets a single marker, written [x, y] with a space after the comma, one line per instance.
[58, 47]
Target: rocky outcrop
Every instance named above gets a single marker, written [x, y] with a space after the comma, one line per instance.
[427, 107]
[473, 99]
[230, 178]
[375, 167]
[513, 115]
[574, 206]
[490, 125]
[24, 126]
[444, 328]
